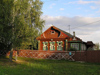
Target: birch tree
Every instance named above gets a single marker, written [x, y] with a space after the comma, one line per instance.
[20, 23]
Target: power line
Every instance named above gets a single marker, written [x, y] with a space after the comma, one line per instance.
[85, 24]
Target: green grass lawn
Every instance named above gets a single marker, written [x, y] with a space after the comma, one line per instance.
[29, 66]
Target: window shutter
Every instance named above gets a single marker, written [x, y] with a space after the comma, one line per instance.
[54, 47]
[47, 48]
[43, 48]
[57, 48]
[62, 48]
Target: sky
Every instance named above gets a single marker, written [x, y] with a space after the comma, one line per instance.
[81, 16]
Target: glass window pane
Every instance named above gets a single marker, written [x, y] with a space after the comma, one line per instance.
[75, 45]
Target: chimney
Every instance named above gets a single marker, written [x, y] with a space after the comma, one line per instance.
[74, 33]
[74, 38]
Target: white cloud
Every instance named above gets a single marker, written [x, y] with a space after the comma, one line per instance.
[92, 37]
[85, 27]
[93, 4]
[61, 9]
[92, 7]
[84, 2]
[51, 6]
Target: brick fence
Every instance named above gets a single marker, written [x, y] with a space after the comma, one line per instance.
[42, 54]
[86, 56]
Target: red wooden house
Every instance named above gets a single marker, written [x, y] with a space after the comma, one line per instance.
[55, 39]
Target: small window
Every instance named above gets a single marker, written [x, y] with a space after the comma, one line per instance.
[75, 45]
[52, 32]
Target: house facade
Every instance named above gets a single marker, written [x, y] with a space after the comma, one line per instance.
[55, 39]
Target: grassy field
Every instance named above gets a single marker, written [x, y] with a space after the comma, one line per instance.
[29, 66]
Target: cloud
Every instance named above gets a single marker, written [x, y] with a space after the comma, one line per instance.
[51, 6]
[92, 37]
[61, 9]
[84, 2]
[87, 28]
[93, 4]
[93, 7]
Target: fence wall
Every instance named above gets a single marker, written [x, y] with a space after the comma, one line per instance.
[41, 54]
[86, 56]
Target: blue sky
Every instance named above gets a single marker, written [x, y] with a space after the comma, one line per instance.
[77, 14]
[71, 8]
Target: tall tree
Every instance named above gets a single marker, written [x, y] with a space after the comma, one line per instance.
[22, 22]
[36, 23]
[5, 23]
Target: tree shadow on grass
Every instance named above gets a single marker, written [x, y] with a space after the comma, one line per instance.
[31, 60]
[30, 66]
[54, 61]
[21, 67]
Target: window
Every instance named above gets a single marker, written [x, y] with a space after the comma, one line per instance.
[45, 45]
[75, 45]
[52, 46]
[59, 45]
[83, 47]
[52, 32]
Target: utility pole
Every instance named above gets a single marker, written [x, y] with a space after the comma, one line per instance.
[69, 28]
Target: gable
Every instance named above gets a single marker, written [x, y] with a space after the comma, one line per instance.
[54, 32]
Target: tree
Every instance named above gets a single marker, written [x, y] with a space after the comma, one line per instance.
[31, 15]
[36, 23]
[21, 20]
[97, 46]
[5, 23]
